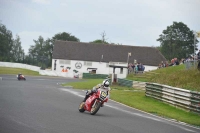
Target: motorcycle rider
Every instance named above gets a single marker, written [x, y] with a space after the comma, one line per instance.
[19, 75]
[104, 85]
[198, 55]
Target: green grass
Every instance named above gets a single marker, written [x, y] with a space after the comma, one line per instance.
[176, 76]
[9, 70]
[85, 84]
[137, 99]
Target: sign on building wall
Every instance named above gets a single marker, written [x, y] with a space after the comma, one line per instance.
[55, 64]
[78, 65]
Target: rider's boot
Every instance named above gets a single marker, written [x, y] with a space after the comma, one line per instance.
[88, 92]
[86, 97]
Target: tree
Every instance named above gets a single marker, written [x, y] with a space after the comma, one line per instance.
[177, 41]
[6, 43]
[28, 59]
[65, 37]
[98, 41]
[49, 48]
[39, 52]
[43, 49]
[17, 51]
[103, 35]
[101, 41]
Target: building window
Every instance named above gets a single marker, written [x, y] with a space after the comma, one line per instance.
[92, 71]
[87, 63]
[65, 62]
[121, 70]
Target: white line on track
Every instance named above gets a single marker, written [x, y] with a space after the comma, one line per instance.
[73, 92]
[39, 79]
[76, 93]
[138, 114]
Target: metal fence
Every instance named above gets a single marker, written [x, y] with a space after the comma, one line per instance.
[94, 76]
[97, 76]
[191, 64]
[182, 98]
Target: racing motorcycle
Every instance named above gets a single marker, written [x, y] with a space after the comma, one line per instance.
[21, 77]
[94, 102]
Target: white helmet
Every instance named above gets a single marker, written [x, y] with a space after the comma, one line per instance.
[105, 84]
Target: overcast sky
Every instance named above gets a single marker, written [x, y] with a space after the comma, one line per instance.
[128, 22]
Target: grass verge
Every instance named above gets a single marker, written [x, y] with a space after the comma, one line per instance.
[137, 99]
[177, 76]
[10, 70]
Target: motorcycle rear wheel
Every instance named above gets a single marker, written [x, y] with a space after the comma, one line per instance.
[81, 107]
[95, 108]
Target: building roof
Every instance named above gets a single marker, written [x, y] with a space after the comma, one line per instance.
[69, 50]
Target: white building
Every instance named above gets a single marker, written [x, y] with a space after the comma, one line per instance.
[75, 58]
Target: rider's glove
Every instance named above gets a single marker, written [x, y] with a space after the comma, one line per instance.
[94, 90]
[88, 92]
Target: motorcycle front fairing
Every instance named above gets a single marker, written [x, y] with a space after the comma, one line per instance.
[100, 96]
[90, 101]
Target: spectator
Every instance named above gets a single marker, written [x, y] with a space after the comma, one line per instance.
[143, 68]
[133, 66]
[130, 69]
[139, 67]
[176, 62]
[182, 61]
[172, 62]
[166, 64]
[136, 69]
[188, 59]
[198, 55]
[162, 64]
[159, 66]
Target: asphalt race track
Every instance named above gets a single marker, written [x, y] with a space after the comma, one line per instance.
[41, 105]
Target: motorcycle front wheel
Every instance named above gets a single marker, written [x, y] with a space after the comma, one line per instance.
[81, 107]
[95, 108]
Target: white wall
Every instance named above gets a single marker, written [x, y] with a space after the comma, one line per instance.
[150, 68]
[19, 65]
[102, 68]
[33, 68]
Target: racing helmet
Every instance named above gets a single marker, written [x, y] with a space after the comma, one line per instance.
[105, 84]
